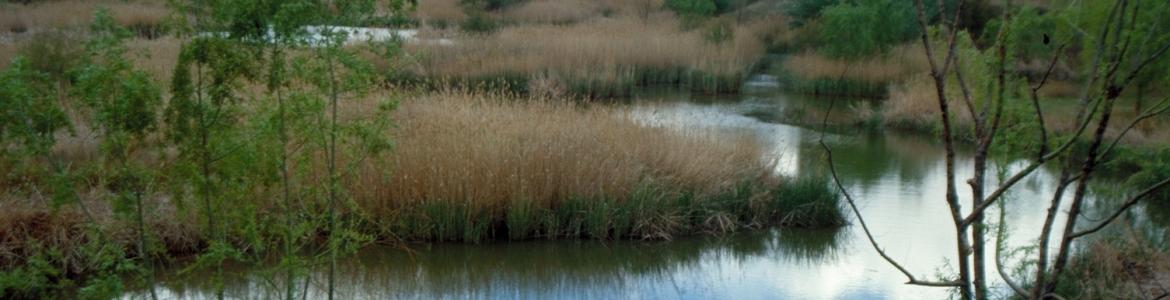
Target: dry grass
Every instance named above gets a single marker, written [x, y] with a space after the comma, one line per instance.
[1124, 267]
[914, 103]
[902, 62]
[492, 151]
[8, 51]
[157, 57]
[73, 13]
[446, 10]
[1060, 89]
[568, 11]
[604, 49]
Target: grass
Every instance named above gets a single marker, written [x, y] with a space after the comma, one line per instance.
[550, 169]
[913, 105]
[601, 57]
[469, 166]
[143, 17]
[1127, 266]
[813, 73]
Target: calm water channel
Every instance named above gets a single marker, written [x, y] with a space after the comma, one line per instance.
[898, 180]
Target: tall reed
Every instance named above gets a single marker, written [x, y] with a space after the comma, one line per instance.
[598, 54]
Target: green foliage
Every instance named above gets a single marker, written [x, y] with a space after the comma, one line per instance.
[52, 52]
[692, 8]
[1153, 170]
[29, 113]
[803, 11]
[489, 4]
[854, 30]
[479, 22]
[123, 99]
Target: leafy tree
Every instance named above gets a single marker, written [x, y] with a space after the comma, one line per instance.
[853, 30]
[124, 102]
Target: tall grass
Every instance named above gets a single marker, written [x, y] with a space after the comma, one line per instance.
[813, 73]
[475, 166]
[143, 16]
[472, 166]
[599, 56]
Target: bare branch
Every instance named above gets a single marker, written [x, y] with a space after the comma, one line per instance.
[1157, 109]
[1120, 210]
[1036, 100]
[911, 279]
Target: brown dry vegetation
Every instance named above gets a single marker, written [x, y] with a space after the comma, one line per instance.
[914, 104]
[74, 13]
[492, 151]
[902, 62]
[607, 50]
[1127, 266]
[447, 10]
[489, 151]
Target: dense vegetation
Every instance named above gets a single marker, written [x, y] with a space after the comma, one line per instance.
[257, 131]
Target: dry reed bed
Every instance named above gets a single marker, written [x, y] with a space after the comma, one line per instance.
[492, 150]
[605, 50]
[75, 13]
[902, 62]
[542, 11]
[473, 166]
[913, 104]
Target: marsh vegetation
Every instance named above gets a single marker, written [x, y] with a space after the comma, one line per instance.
[255, 148]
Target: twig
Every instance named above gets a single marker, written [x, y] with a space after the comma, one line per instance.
[861, 220]
[1120, 210]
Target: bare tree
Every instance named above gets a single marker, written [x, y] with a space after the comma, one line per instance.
[1116, 61]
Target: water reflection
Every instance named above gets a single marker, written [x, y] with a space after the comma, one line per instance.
[686, 268]
[899, 181]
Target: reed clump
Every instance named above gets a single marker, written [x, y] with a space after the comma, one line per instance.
[474, 166]
[143, 17]
[600, 57]
[814, 73]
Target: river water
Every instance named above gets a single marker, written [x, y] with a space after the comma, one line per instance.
[898, 180]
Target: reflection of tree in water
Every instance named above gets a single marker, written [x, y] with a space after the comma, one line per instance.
[865, 160]
[536, 268]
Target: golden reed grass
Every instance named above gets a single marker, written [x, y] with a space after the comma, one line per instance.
[491, 151]
[914, 104]
[604, 49]
[902, 62]
[74, 13]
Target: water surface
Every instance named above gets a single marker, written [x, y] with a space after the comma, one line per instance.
[898, 179]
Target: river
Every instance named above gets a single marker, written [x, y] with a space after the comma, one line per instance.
[897, 178]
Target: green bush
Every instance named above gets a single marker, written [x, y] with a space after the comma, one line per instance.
[803, 11]
[479, 23]
[853, 30]
[693, 8]
[489, 4]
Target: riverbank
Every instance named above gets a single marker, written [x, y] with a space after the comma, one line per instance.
[469, 167]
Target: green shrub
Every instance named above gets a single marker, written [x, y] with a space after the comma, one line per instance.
[479, 23]
[853, 30]
[803, 11]
[489, 4]
[693, 8]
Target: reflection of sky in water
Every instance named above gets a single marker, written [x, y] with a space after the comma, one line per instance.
[898, 180]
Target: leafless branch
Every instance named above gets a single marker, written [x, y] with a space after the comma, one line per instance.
[911, 279]
[1036, 100]
[1120, 210]
[1157, 109]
